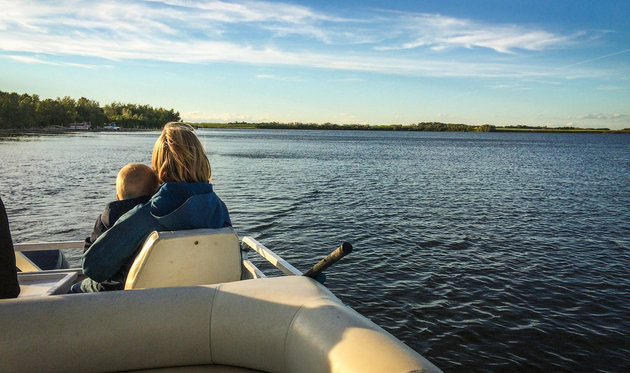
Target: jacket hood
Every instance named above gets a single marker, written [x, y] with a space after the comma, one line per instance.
[172, 195]
[179, 206]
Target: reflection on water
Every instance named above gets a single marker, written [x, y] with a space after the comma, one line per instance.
[484, 252]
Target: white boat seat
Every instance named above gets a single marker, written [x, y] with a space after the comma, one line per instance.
[189, 257]
[289, 324]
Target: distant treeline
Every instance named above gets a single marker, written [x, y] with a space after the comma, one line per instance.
[424, 126]
[23, 111]
[524, 128]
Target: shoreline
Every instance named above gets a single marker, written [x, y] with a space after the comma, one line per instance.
[19, 132]
[9, 133]
[420, 127]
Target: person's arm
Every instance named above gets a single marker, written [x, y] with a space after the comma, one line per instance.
[9, 286]
[99, 228]
[114, 247]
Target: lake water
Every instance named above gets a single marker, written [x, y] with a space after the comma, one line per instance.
[481, 251]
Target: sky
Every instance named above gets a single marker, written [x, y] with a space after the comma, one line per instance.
[500, 62]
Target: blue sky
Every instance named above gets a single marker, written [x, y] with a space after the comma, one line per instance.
[501, 62]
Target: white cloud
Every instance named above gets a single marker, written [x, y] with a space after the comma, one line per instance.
[31, 60]
[259, 32]
[249, 11]
[346, 118]
[202, 51]
[440, 32]
[597, 58]
[611, 88]
[225, 117]
[279, 78]
[599, 116]
[514, 87]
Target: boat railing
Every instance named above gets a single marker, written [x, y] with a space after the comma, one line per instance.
[36, 282]
[248, 244]
[37, 246]
[267, 254]
[285, 267]
[31, 271]
[24, 264]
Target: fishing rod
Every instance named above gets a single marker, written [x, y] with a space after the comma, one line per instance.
[330, 259]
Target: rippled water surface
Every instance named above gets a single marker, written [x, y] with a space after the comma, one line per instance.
[483, 252]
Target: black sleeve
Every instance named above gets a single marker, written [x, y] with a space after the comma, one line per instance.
[9, 286]
[99, 228]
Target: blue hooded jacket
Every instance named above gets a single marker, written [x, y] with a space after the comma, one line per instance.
[175, 206]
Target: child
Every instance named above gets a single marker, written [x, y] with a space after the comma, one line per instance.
[135, 184]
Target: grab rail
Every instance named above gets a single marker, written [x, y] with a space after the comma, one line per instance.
[37, 246]
[273, 258]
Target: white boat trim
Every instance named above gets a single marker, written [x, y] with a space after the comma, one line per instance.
[271, 257]
[37, 246]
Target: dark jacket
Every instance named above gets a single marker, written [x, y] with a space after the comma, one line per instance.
[175, 206]
[113, 211]
[106, 220]
[9, 286]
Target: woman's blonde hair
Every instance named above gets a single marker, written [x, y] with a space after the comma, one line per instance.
[179, 156]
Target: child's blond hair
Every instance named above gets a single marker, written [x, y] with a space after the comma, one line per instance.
[136, 180]
[179, 156]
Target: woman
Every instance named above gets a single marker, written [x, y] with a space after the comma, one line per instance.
[184, 201]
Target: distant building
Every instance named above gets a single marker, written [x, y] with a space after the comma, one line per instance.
[79, 126]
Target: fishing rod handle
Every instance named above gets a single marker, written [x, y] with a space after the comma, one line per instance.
[332, 258]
